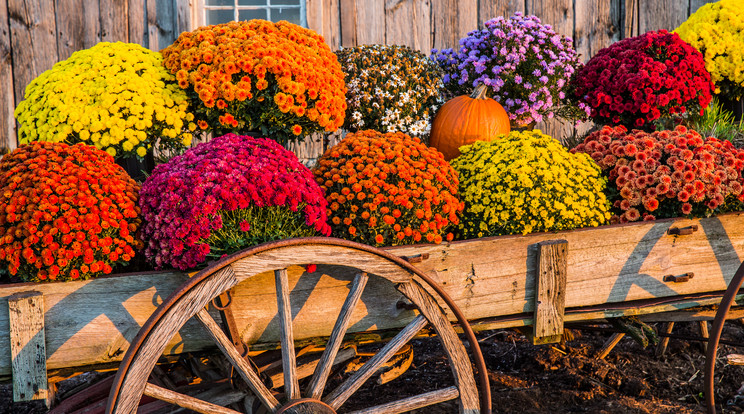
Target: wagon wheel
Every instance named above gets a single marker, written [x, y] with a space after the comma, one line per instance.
[190, 299]
[715, 336]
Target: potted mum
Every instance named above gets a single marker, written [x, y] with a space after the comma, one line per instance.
[665, 174]
[114, 96]
[67, 212]
[524, 63]
[643, 80]
[390, 89]
[225, 195]
[715, 30]
[271, 79]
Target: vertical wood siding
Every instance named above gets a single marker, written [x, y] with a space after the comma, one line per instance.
[35, 34]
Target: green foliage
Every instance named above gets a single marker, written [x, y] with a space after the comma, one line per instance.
[719, 123]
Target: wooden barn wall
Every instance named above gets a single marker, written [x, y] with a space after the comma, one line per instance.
[34, 34]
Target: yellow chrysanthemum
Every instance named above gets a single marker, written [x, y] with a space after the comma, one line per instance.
[717, 31]
[528, 182]
[115, 96]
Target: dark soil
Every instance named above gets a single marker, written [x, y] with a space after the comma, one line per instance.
[560, 378]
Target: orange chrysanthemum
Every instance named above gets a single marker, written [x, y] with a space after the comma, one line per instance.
[268, 76]
[381, 186]
[66, 212]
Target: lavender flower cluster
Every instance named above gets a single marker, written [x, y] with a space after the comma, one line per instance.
[186, 200]
[525, 63]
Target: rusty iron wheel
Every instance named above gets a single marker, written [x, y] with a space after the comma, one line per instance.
[189, 302]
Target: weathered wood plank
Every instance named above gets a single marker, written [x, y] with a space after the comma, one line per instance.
[550, 291]
[349, 21]
[151, 24]
[452, 20]
[408, 22]
[183, 18]
[92, 322]
[370, 25]
[8, 137]
[289, 361]
[661, 14]
[418, 401]
[78, 25]
[696, 4]
[323, 17]
[185, 401]
[557, 13]
[137, 22]
[630, 19]
[166, 23]
[597, 26]
[488, 9]
[33, 40]
[28, 352]
[114, 20]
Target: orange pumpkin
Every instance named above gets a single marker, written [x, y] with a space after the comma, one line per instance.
[466, 119]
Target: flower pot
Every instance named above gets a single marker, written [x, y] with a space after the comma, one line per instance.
[137, 168]
[734, 105]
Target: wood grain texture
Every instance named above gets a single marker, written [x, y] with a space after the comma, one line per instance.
[452, 20]
[696, 4]
[596, 27]
[342, 393]
[610, 344]
[167, 23]
[318, 382]
[183, 19]
[630, 19]
[349, 22]
[151, 24]
[78, 25]
[243, 367]
[27, 349]
[489, 9]
[33, 40]
[372, 14]
[323, 17]
[91, 322]
[557, 13]
[133, 385]
[137, 22]
[550, 291]
[458, 358]
[305, 368]
[408, 22]
[114, 20]
[289, 361]
[8, 137]
[408, 404]
[661, 14]
[185, 401]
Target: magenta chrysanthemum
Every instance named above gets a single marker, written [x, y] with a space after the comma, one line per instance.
[224, 195]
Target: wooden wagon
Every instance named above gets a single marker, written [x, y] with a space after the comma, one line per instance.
[265, 298]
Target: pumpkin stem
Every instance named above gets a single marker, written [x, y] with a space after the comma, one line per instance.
[480, 92]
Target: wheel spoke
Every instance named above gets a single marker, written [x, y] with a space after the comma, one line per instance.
[345, 390]
[249, 375]
[185, 401]
[289, 362]
[412, 403]
[323, 370]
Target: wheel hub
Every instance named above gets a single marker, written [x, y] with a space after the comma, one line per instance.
[306, 406]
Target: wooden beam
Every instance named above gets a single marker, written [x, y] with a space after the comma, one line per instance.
[664, 341]
[8, 138]
[33, 40]
[27, 348]
[550, 288]
[610, 345]
[137, 22]
[114, 20]
[78, 25]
